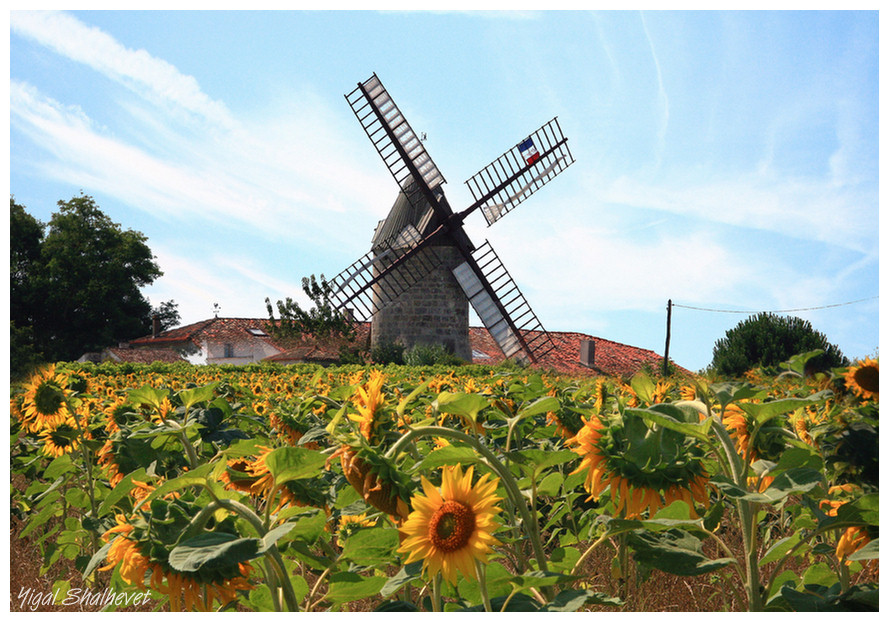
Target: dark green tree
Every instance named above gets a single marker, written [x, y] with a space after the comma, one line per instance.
[323, 322]
[767, 340]
[81, 291]
[167, 313]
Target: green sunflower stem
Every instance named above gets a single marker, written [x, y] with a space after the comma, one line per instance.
[747, 517]
[482, 585]
[506, 477]
[272, 556]
[436, 592]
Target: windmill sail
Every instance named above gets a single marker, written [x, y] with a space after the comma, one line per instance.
[501, 306]
[382, 275]
[398, 145]
[517, 174]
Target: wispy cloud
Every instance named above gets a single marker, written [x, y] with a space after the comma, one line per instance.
[801, 208]
[137, 69]
[184, 154]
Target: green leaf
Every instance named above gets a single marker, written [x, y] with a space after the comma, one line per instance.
[871, 550]
[674, 551]
[674, 418]
[448, 455]
[405, 575]
[348, 586]
[121, 491]
[540, 578]
[76, 497]
[197, 477]
[780, 548]
[213, 550]
[271, 538]
[372, 546]
[536, 460]
[190, 397]
[466, 405]
[538, 407]
[292, 463]
[147, 395]
[572, 600]
[793, 481]
[58, 467]
[497, 580]
[643, 386]
[98, 559]
[763, 412]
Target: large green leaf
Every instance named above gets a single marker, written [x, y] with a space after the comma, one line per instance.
[675, 551]
[372, 546]
[292, 463]
[763, 412]
[213, 550]
[466, 405]
[674, 418]
[572, 600]
[405, 575]
[348, 586]
[147, 394]
[538, 407]
[448, 455]
[190, 397]
[122, 490]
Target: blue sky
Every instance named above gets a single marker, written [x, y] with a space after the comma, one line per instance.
[724, 160]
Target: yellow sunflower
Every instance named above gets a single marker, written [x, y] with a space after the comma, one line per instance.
[59, 439]
[632, 494]
[852, 539]
[368, 400]
[349, 524]
[863, 379]
[45, 404]
[735, 421]
[184, 591]
[452, 527]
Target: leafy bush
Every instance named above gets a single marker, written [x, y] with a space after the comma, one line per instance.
[766, 340]
[430, 354]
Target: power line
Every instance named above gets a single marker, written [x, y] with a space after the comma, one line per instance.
[839, 304]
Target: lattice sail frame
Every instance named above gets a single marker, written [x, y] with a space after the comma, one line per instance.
[519, 172]
[516, 330]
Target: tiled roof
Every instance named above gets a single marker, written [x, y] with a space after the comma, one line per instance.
[142, 355]
[217, 329]
[611, 357]
[307, 354]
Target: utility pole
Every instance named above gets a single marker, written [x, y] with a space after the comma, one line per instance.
[667, 346]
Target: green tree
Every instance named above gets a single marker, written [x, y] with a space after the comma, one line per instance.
[81, 292]
[323, 322]
[766, 340]
[168, 315]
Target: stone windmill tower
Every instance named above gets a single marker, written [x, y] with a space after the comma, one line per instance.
[422, 272]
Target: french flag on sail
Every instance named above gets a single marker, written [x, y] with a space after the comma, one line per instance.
[529, 151]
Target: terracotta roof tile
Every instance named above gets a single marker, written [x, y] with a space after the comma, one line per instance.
[611, 357]
[142, 355]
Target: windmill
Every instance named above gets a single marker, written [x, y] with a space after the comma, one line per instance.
[421, 258]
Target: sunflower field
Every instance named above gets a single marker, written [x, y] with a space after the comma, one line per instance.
[476, 488]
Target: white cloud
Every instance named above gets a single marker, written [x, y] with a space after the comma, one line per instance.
[136, 69]
[801, 208]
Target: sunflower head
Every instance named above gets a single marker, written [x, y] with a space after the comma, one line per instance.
[644, 466]
[46, 399]
[369, 401]
[452, 526]
[863, 379]
[141, 549]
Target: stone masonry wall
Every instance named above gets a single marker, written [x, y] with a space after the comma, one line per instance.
[433, 311]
